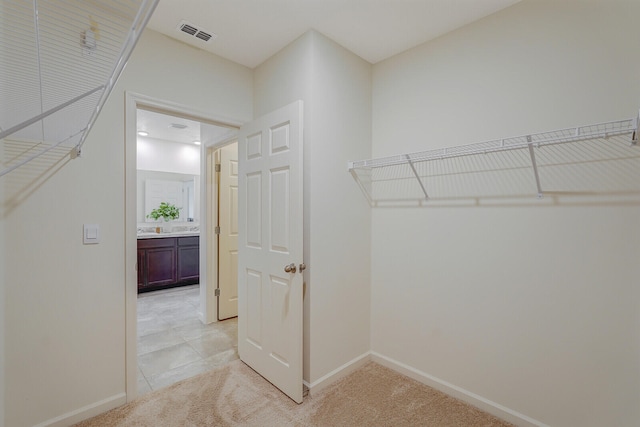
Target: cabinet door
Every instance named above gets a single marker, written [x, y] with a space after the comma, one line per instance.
[161, 266]
[142, 269]
[188, 261]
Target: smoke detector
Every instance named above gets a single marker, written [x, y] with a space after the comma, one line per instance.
[195, 31]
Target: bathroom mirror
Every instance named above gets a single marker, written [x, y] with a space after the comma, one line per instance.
[175, 188]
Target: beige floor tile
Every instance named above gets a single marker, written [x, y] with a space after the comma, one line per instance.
[166, 378]
[166, 320]
[166, 359]
[223, 357]
[143, 384]
[211, 344]
[158, 341]
[151, 325]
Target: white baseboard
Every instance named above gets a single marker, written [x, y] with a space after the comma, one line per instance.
[202, 317]
[337, 373]
[459, 393]
[86, 412]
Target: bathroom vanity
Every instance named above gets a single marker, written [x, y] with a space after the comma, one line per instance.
[167, 260]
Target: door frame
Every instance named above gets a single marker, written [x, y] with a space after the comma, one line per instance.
[208, 304]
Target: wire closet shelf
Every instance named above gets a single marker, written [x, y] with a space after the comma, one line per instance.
[593, 159]
[60, 61]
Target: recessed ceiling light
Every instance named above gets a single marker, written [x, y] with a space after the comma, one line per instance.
[178, 126]
[143, 133]
[196, 142]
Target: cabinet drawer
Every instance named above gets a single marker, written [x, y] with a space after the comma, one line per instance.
[156, 243]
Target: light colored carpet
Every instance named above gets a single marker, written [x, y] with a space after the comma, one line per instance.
[234, 395]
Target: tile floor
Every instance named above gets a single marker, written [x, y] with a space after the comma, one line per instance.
[173, 344]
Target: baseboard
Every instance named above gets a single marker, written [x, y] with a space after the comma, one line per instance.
[86, 412]
[337, 373]
[202, 317]
[459, 393]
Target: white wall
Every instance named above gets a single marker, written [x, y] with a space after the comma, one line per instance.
[65, 343]
[335, 87]
[164, 156]
[535, 308]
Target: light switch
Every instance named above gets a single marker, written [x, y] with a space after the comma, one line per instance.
[91, 234]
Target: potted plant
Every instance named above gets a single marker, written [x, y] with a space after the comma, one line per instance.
[165, 211]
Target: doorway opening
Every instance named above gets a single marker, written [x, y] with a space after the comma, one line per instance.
[271, 256]
[173, 344]
[172, 331]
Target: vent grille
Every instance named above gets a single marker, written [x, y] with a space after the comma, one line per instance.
[188, 29]
[193, 30]
[203, 36]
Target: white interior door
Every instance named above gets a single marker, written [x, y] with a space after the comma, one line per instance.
[228, 238]
[270, 241]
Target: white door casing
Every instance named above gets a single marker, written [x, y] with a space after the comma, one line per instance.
[271, 238]
[228, 237]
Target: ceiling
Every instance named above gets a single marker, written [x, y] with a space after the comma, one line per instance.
[175, 129]
[159, 126]
[250, 31]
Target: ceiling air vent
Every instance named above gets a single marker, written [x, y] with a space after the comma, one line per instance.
[203, 36]
[188, 29]
[193, 30]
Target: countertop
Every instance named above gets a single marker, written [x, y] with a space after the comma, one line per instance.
[172, 234]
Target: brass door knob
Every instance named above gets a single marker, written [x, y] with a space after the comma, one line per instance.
[291, 268]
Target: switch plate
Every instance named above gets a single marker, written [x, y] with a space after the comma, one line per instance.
[91, 234]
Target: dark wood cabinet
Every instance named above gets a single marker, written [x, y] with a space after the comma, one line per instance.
[142, 266]
[166, 262]
[189, 259]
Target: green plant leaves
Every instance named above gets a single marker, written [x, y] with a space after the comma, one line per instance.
[165, 211]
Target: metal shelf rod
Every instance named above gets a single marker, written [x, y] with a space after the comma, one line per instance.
[139, 23]
[49, 112]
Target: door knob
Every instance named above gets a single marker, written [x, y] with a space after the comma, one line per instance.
[291, 268]
[302, 267]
